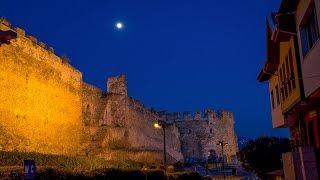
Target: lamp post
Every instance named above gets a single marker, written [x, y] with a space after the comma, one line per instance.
[163, 124]
[222, 144]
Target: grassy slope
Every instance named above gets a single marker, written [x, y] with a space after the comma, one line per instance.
[68, 163]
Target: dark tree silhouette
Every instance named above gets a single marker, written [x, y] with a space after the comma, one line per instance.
[263, 154]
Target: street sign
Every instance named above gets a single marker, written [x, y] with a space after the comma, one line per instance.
[29, 169]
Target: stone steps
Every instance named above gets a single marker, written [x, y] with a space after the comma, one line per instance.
[97, 140]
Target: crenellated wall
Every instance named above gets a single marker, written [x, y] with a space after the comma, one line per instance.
[46, 107]
[201, 132]
[40, 98]
[124, 123]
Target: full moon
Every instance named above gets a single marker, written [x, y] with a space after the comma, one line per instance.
[119, 25]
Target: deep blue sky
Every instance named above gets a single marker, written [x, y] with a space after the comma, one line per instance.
[178, 55]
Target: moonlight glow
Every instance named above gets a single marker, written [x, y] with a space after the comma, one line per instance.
[119, 25]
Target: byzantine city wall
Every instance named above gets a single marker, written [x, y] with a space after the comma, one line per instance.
[46, 107]
[201, 132]
[120, 123]
[40, 98]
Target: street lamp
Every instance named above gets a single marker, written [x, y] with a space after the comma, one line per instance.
[163, 124]
[222, 144]
[157, 125]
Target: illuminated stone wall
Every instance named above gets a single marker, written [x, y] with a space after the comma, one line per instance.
[40, 98]
[92, 102]
[201, 133]
[125, 125]
[46, 107]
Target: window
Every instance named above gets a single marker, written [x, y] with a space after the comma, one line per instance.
[292, 75]
[272, 100]
[277, 95]
[284, 82]
[288, 81]
[281, 85]
[211, 131]
[286, 77]
[309, 31]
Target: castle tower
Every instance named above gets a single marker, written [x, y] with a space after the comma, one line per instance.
[117, 85]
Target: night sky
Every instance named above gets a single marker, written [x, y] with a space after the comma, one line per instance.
[178, 55]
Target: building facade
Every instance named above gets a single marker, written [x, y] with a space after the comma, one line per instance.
[292, 69]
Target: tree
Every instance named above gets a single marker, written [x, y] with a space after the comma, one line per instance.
[263, 154]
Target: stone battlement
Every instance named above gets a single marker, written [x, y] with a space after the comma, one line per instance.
[117, 85]
[207, 115]
[48, 108]
[21, 34]
[139, 106]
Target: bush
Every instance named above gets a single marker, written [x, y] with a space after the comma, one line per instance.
[184, 176]
[264, 154]
[73, 167]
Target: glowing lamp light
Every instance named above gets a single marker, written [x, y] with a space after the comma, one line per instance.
[157, 125]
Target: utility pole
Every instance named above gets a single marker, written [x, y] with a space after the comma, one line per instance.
[222, 144]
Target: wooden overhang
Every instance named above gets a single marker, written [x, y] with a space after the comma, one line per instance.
[285, 28]
[6, 36]
[272, 60]
[285, 17]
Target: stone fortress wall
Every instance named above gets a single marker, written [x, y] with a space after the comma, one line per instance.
[201, 132]
[46, 107]
[40, 98]
[120, 123]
